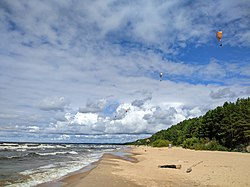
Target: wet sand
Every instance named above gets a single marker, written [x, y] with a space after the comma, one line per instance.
[209, 168]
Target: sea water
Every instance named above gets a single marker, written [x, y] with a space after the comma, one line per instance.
[30, 164]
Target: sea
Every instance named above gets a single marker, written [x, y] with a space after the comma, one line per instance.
[30, 164]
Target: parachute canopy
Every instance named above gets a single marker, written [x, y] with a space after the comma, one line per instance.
[161, 74]
[219, 36]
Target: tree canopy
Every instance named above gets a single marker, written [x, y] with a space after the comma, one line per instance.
[225, 128]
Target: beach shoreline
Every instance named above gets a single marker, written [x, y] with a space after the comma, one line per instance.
[209, 168]
[75, 178]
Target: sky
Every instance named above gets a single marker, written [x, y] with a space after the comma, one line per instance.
[88, 71]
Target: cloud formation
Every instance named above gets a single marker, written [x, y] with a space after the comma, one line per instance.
[53, 103]
[75, 69]
[140, 103]
[222, 93]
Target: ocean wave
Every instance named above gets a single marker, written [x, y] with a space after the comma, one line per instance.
[10, 144]
[47, 164]
[58, 153]
[9, 157]
[37, 154]
[20, 156]
[24, 147]
[53, 171]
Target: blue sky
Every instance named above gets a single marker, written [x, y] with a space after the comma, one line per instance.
[88, 71]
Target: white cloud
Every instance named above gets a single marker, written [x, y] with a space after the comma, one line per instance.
[160, 116]
[247, 91]
[222, 93]
[63, 137]
[85, 119]
[53, 103]
[60, 116]
[144, 120]
[214, 69]
[140, 103]
[33, 128]
[105, 58]
[93, 107]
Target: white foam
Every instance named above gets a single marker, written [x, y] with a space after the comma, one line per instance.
[10, 144]
[10, 157]
[53, 172]
[58, 153]
[21, 147]
[73, 152]
[53, 153]
[47, 166]
[21, 150]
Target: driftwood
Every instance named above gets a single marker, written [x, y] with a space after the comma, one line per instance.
[190, 168]
[173, 166]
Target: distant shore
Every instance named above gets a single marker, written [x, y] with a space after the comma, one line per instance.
[208, 168]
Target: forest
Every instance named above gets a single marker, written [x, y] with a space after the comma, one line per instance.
[226, 128]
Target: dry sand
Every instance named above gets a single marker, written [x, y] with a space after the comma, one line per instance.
[214, 169]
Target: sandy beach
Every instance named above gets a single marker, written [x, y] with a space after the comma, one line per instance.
[209, 168]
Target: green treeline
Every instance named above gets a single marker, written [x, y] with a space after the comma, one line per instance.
[225, 128]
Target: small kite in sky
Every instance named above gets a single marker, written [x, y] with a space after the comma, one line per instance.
[161, 75]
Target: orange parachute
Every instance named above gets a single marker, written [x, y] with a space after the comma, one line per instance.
[219, 36]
